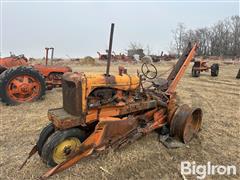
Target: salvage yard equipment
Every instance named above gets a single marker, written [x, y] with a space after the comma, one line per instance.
[22, 82]
[115, 57]
[200, 66]
[109, 111]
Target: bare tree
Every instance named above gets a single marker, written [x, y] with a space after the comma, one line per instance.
[222, 39]
[135, 46]
[235, 28]
[178, 34]
[148, 50]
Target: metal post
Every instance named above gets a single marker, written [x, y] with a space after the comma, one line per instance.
[46, 59]
[110, 49]
[52, 55]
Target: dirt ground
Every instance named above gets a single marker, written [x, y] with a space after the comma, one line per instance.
[147, 158]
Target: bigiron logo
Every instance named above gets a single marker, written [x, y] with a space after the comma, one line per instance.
[201, 171]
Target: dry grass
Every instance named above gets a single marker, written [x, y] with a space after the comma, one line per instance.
[218, 142]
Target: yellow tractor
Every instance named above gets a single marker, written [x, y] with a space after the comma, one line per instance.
[109, 111]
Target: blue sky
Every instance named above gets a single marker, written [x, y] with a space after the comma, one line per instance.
[80, 29]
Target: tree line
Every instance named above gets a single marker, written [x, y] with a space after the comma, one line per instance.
[221, 39]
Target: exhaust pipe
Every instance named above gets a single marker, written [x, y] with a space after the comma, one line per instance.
[110, 50]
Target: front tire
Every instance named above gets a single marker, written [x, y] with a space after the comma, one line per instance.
[61, 145]
[44, 135]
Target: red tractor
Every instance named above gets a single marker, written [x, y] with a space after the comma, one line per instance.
[22, 82]
[200, 66]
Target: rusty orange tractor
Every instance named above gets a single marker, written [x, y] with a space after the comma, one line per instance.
[200, 66]
[109, 111]
[22, 82]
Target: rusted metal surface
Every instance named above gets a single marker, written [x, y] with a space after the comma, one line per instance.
[13, 61]
[46, 58]
[202, 65]
[27, 87]
[186, 123]
[181, 66]
[72, 96]
[53, 74]
[47, 53]
[121, 111]
[164, 57]
[63, 120]
[109, 133]
[115, 57]
[122, 70]
[32, 152]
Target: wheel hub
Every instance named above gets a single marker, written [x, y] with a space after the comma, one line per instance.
[63, 150]
[24, 88]
[67, 150]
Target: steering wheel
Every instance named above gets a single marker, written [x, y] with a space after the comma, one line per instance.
[149, 70]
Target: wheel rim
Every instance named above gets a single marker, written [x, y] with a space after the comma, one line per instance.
[63, 150]
[23, 88]
[186, 123]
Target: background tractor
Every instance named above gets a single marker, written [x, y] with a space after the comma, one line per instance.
[200, 66]
[22, 82]
[102, 111]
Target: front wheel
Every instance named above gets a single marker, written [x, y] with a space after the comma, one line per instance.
[44, 135]
[61, 145]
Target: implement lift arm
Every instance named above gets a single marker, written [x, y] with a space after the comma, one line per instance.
[180, 68]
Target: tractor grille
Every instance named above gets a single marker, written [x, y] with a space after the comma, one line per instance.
[72, 96]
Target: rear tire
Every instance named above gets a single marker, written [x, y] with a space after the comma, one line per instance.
[214, 70]
[195, 73]
[61, 144]
[31, 90]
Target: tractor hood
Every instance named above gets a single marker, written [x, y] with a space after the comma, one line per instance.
[77, 87]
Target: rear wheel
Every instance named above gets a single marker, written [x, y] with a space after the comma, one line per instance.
[21, 84]
[61, 145]
[185, 123]
[214, 70]
[195, 73]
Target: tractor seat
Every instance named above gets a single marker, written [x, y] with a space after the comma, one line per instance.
[160, 83]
